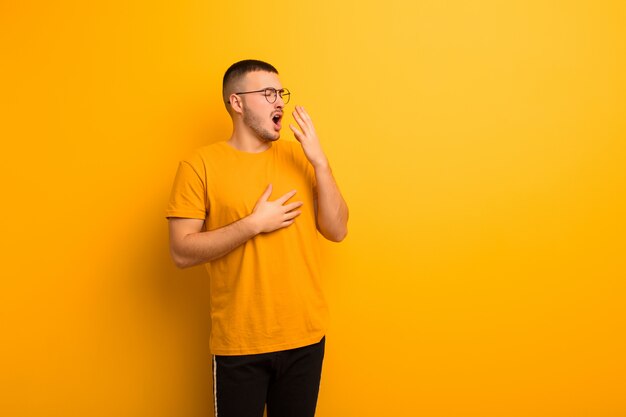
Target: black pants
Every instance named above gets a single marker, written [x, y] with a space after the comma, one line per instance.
[288, 381]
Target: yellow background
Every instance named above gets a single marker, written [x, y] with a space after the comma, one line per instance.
[481, 146]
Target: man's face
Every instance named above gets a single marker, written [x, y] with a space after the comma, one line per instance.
[261, 116]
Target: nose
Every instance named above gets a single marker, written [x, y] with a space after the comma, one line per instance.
[279, 103]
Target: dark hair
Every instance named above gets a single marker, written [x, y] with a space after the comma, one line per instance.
[240, 69]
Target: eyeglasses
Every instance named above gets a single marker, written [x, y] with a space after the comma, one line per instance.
[271, 94]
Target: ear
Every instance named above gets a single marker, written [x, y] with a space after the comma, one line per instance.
[235, 103]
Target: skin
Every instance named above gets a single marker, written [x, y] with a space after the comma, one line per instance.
[253, 131]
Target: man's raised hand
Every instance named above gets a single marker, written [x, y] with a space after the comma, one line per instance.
[308, 138]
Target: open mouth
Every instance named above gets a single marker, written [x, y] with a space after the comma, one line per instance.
[276, 118]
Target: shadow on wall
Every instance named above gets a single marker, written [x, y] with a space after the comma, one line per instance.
[175, 306]
[170, 306]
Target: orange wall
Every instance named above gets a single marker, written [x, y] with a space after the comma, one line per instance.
[481, 146]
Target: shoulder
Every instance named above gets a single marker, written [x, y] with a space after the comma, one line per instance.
[203, 156]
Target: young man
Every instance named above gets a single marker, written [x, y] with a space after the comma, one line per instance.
[249, 208]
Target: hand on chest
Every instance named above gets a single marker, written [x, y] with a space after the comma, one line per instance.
[233, 193]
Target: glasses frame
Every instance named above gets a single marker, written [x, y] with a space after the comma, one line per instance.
[273, 92]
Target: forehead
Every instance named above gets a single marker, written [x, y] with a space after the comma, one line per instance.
[261, 79]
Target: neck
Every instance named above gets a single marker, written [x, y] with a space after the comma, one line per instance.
[246, 141]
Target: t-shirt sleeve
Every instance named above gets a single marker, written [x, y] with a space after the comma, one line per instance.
[188, 196]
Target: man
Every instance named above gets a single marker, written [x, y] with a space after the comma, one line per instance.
[233, 208]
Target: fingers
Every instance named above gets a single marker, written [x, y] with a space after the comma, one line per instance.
[283, 199]
[277, 212]
[296, 132]
[305, 123]
[304, 116]
[299, 118]
[292, 215]
[266, 194]
[292, 206]
[290, 218]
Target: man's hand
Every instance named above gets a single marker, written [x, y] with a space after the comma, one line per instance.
[330, 208]
[190, 246]
[272, 215]
[308, 138]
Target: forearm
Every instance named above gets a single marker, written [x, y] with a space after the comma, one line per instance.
[332, 210]
[201, 247]
[190, 246]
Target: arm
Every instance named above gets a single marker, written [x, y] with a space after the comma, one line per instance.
[190, 246]
[330, 207]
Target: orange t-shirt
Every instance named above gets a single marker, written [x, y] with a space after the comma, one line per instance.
[265, 295]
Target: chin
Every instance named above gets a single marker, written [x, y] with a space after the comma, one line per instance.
[273, 138]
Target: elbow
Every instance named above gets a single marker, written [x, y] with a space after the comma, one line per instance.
[341, 236]
[337, 231]
[180, 261]
[337, 235]
[181, 264]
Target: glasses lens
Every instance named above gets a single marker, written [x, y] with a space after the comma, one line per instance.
[285, 95]
[270, 94]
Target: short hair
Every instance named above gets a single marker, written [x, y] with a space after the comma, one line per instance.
[239, 69]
